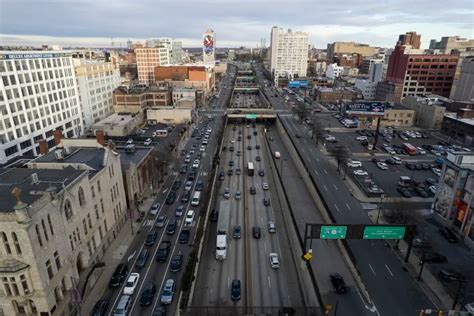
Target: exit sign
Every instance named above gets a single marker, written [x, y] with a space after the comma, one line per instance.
[251, 116]
[384, 232]
[333, 232]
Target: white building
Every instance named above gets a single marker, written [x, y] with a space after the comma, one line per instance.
[368, 88]
[180, 93]
[288, 53]
[334, 71]
[38, 93]
[96, 82]
[378, 72]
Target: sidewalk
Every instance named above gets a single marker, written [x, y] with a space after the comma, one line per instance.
[114, 255]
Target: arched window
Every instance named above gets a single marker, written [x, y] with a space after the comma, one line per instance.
[82, 198]
[16, 243]
[6, 244]
[67, 209]
[38, 234]
[50, 225]
[44, 230]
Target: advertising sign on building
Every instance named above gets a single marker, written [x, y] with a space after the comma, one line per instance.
[298, 84]
[208, 44]
[366, 108]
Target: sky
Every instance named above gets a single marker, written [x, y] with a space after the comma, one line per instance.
[236, 23]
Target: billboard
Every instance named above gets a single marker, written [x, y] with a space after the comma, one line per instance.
[208, 44]
[298, 84]
[366, 108]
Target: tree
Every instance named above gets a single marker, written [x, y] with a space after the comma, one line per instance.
[341, 154]
[316, 128]
[401, 212]
[302, 111]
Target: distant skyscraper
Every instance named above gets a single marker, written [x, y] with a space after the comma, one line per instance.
[410, 38]
[288, 53]
[129, 44]
[208, 48]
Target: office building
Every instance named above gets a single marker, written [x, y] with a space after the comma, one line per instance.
[448, 44]
[147, 59]
[336, 48]
[38, 94]
[378, 72]
[174, 47]
[429, 112]
[334, 71]
[463, 88]
[208, 47]
[367, 64]
[388, 91]
[325, 94]
[136, 98]
[96, 82]
[410, 38]
[459, 126]
[288, 53]
[367, 88]
[201, 78]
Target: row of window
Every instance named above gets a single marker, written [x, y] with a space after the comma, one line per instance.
[44, 230]
[31, 64]
[7, 248]
[433, 60]
[14, 287]
[35, 77]
[49, 266]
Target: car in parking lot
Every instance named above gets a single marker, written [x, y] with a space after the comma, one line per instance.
[422, 192]
[161, 221]
[450, 275]
[235, 290]
[354, 164]
[436, 171]
[360, 172]
[404, 191]
[433, 257]
[274, 261]
[382, 165]
[256, 232]
[448, 234]
[131, 283]
[338, 283]
[361, 138]
[433, 189]
[155, 208]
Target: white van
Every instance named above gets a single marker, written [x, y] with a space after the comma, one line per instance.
[123, 306]
[196, 198]
[221, 247]
[277, 154]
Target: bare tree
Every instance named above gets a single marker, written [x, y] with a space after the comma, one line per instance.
[302, 111]
[341, 154]
[401, 212]
[316, 128]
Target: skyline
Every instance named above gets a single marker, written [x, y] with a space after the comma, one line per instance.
[245, 23]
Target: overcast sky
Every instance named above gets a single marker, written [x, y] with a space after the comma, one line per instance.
[236, 23]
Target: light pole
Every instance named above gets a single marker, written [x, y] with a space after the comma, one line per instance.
[382, 196]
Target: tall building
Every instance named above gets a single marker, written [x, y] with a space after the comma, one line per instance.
[378, 72]
[96, 82]
[449, 43]
[174, 47]
[288, 53]
[463, 88]
[208, 46]
[147, 59]
[349, 48]
[410, 38]
[38, 94]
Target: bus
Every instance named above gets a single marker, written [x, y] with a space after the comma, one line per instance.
[409, 149]
[160, 133]
[250, 168]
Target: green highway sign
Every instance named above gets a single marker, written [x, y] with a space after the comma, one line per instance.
[333, 232]
[384, 232]
[251, 116]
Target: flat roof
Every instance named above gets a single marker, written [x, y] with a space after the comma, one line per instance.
[21, 178]
[136, 157]
[117, 119]
[469, 121]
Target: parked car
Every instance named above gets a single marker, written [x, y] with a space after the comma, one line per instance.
[360, 172]
[354, 164]
[450, 275]
[405, 192]
[448, 234]
[420, 243]
[338, 283]
[382, 165]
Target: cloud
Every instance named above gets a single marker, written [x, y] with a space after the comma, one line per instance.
[236, 23]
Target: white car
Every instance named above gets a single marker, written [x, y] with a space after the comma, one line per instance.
[187, 158]
[354, 164]
[189, 217]
[188, 186]
[131, 284]
[360, 172]
[397, 160]
[227, 193]
[147, 142]
[265, 186]
[433, 189]
[382, 165]
[274, 262]
[196, 164]
[130, 141]
[209, 130]
[330, 138]
[202, 148]
[361, 138]
[421, 151]
[154, 208]
[436, 171]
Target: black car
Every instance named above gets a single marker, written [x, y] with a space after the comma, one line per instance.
[171, 227]
[257, 146]
[257, 158]
[185, 197]
[151, 238]
[142, 258]
[405, 192]
[199, 186]
[450, 275]
[159, 311]
[430, 181]
[176, 263]
[183, 169]
[230, 172]
[119, 275]
[192, 175]
[235, 290]
[221, 175]
[425, 166]
[410, 166]
[433, 257]
[237, 234]
[176, 185]
[100, 308]
[253, 190]
[261, 172]
[338, 283]
[163, 251]
[148, 294]
[214, 215]
[421, 192]
[171, 198]
[184, 236]
[447, 233]
[266, 202]
[421, 243]
[256, 232]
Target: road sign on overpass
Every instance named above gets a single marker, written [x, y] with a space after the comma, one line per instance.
[384, 232]
[333, 232]
[251, 116]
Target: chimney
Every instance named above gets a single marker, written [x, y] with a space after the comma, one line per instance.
[100, 136]
[58, 135]
[43, 146]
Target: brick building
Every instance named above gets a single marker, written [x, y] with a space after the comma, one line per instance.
[137, 98]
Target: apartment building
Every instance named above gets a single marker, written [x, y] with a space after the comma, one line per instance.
[367, 88]
[147, 59]
[288, 53]
[334, 71]
[174, 47]
[38, 94]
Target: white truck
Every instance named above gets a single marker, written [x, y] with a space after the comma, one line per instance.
[222, 229]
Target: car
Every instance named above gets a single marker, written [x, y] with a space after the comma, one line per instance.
[171, 227]
[118, 276]
[249, 136]
[261, 173]
[422, 192]
[171, 198]
[425, 166]
[238, 171]
[183, 152]
[142, 258]
[189, 217]
[131, 283]
[231, 163]
[420, 243]
[265, 186]
[161, 221]
[238, 195]
[235, 290]
[151, 238]
[100, 308]
[448, 234]
[192, 151]
[227, 193]
[266, 201]
[420, 151]
[176, 263]
[256, 232]
[168, 292]
[196, 163]
[147, 142]
[257, 146]
[405, 192]
[148, 294]
[130, 141]
[183, 169]
[436, 171]
[374, 160]
[361, 138]
[238, 153]
[433, 189]
[202, 148]
[163, 251]
[338, 283]
[354, 164]
[382, 165]
[187, 158]
[253, 190]
[249, 147]
[184, 236]
[176, 185]
[271, 227]
[470, 308]
[274, 262]
[221, 175]
[257, 158]
[214, 216]
[433, 257]
[199, 185]
[431, 181]
[450, 275]
[185, 197]
[410, 166]
[230, 172]
[298, 135]
[155, 208]
[360, 172]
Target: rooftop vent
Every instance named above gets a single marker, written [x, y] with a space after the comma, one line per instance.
[34, 178]
[59, 154]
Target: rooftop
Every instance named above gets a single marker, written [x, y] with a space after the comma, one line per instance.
[118, 119]
[21, 178]
[137, 156]
[468, 121]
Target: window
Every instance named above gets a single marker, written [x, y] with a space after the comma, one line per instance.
[96, 209]
[98, 185]
[102, 206]
[89, 221]
[71, 241]
[38, 234]
[16, 243]
[44, 230]
[84, 223]
[57, 260]
[49, 269]
[50, 225]
[92, 187]
[6, 244]
[24, 284]
[67, 209]
[82, 199]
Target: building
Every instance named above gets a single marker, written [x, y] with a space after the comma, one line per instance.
[96, 82]
[147, 59]
[421, 74]
[323, 94]
[137, 98]
[367, 88]
[368, 63]
[353, 60]
[463, 88]
[38, 93]
[453, 201]
[349, 48]
[118, 124]
[186, 93]
[459, 126]
[288, 53]
[429, 113]
[350, 72]
[388, 91]
[201, 78]
[172, 115]
[378, 72]
[410, 38]
[174, 47]
[208, 47]
[395, 115]
[334, 71]
[448, 44]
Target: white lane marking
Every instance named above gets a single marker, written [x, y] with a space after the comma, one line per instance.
[348, 207]
[389, 271]
[337, 208]
[325, 171]
[335, 187]
[316, 171]
[372, 270]
[372, 308]
[269, 283]
[325, 188]
[265, 246]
